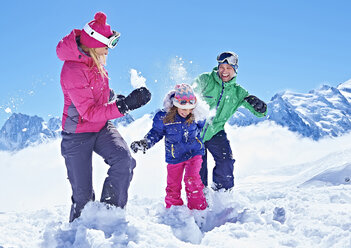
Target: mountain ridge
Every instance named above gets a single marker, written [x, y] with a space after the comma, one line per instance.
[21, 130]
[325, 111]
[322, 112]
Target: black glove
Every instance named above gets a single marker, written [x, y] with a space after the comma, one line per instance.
[139, 145]
[256, 103]
[134, 100]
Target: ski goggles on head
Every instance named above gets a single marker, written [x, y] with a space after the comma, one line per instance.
[230, 58]
[110, 42]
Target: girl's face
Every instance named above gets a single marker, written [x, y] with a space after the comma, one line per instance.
[184, 112]
[226, 72]
[101, 51]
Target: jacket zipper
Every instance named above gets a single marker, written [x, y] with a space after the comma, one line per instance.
[199, 142]
[172, 151]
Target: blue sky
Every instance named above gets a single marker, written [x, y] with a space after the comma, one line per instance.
[295, 45]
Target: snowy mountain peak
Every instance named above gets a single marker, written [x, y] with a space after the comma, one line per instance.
[325, 111]
[21, 130]
[345, 89]
[277, 96]
[345, 86]
[323, 87]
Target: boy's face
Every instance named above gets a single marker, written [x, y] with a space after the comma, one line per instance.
[184, 112]
[226, 72]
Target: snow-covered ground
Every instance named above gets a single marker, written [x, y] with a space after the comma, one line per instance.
[289, 192]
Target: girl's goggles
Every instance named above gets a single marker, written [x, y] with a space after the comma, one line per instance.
[110, 42]
[183, 102]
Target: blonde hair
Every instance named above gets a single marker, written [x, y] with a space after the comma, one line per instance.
[99, 61]
[171, 114]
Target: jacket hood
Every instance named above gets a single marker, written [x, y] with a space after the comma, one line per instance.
[67, 49]
[168, 100]
[201, 111]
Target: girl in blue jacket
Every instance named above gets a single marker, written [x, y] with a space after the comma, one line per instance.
[184, 148]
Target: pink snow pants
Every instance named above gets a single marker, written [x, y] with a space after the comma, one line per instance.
[193, 184]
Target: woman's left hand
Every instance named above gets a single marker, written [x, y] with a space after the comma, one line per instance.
[136, 99]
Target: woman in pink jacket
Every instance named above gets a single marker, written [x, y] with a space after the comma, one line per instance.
[89, 104]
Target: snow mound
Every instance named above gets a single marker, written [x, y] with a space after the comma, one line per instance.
[99, 226]
[266, 208]
[182, 223]
[333, 176]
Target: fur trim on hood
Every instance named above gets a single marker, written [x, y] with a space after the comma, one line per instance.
[168, 100]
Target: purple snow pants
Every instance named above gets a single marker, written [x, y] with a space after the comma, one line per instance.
[78, 148]
[219, 147]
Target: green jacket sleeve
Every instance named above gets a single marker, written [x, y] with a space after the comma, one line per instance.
[200, 83]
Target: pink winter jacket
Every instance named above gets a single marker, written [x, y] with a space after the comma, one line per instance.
[86, 92]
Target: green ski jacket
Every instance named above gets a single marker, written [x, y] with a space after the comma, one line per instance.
[225, 97]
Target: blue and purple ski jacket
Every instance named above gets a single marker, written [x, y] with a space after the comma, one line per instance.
[182, 141]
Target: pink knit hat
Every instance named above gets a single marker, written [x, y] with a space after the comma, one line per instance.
[184, 97]
[99, 25]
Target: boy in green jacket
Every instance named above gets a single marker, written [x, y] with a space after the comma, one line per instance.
[221, 92]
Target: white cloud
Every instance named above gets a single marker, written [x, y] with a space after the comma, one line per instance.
[267, 146]
[40, 173]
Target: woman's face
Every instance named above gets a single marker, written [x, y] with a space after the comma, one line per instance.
[101, 51]
[226, 72]
[184, 112]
